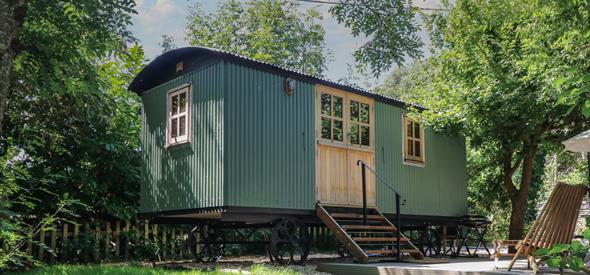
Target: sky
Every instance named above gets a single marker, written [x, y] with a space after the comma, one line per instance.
[158, 17]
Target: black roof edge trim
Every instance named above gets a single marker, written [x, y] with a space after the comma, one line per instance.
[151, 71]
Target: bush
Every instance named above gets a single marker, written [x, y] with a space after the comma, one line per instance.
[567, 256]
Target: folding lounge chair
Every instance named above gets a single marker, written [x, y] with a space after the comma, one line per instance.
[555, 224]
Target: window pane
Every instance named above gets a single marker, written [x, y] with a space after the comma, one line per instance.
[409, 131]
[182, 126]
[174, 105]
[365, 136]
[417, 130]
[354, 133]
[364, 113]
[326, 104]
[337, 131]
[410, 147]
[417, 148]
[337, 112]
[174, 128]
[326, 125]
[182, 103]
[354, 111]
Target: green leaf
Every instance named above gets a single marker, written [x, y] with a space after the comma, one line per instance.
[584, 78]
[558, 248]
[586, 234]
[559, 82]
[577, 246]
[542, 252]
[554, 261]
[576, 263]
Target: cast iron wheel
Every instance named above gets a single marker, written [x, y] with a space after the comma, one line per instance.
[430, 242]
[289, 242]
[209, 247]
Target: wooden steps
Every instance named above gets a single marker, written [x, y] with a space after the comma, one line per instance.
[349, 216]
[374, 238]
[369, 227]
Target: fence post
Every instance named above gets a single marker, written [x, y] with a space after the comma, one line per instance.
[155, 235]
[164, 242]
[76, 233]
[181, 238]
[128, 234]
[64, 240]
[41, 244]
[107, 239]
[53, 243]
[117, 239]
[30, 242]
[173, 238]
[97, 241]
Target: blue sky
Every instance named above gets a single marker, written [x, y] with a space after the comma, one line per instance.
[158, 17]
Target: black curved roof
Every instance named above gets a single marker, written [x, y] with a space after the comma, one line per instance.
[162, 69]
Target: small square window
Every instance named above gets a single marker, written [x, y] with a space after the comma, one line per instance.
[178, 116]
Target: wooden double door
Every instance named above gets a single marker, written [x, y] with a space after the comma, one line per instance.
[344, 135]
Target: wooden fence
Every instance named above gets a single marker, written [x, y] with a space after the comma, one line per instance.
[111, 241]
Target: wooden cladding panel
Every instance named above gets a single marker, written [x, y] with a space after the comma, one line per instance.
[355, 194]
[332, 175]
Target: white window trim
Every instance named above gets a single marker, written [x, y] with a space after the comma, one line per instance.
[171, 142]
[409, 162]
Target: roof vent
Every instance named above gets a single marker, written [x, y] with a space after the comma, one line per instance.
[179, 67]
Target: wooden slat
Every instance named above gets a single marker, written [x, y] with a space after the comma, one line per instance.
[369, 227]
[387, 251]
[380, 252]
[357, 216]
[378, 239]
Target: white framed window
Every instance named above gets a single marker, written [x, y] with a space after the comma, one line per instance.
[178, 115]
[413, 142]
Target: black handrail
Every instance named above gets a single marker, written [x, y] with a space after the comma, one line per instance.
[397, 203]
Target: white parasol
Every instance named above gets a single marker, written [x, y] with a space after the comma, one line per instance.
[581, 144]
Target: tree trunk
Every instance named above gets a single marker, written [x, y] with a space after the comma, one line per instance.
[12, 13]
[520, 198]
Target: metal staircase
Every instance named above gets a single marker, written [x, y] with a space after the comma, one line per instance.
[365, 232]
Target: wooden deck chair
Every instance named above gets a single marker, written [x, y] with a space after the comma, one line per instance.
[555, 224]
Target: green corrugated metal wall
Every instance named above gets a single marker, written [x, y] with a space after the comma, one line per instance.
[270, 153]
[191, 175]
[439, 188]
[254, 146]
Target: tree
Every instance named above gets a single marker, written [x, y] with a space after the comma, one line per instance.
[97, 24]
[358, 76]
[390, 26]
[403, 82]
[273, 31]
[496, 84]
[167, 43]
[12, 13]
[70, 129]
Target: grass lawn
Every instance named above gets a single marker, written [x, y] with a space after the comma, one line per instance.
[136, 269]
